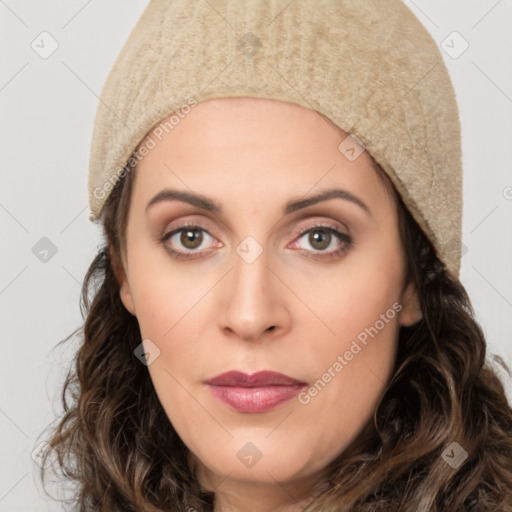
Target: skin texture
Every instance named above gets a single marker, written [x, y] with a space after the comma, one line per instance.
[215, 312]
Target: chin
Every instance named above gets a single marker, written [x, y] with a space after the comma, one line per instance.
[267, 465]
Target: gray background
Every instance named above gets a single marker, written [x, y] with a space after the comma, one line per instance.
[47, 111]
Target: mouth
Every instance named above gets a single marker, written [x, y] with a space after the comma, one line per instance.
[255, 393]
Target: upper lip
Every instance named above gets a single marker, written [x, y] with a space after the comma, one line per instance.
[258, 379]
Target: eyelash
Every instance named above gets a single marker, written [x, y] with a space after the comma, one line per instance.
[343, 237]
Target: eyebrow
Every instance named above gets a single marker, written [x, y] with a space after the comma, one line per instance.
[291, 206]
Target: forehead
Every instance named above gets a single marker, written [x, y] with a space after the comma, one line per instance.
[255, 148]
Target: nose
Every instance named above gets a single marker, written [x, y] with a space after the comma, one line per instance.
[253, 302]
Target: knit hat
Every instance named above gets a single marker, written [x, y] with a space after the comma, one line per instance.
[369, 66]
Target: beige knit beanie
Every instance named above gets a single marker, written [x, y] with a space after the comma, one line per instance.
[368, 65]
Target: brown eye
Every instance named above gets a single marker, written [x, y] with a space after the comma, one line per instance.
[320, 239]
[186, 242]
[323, 242]
[191, 238]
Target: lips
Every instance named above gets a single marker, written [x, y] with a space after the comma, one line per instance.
[256, 393]
[258, 379]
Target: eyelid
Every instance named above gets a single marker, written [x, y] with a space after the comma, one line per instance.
[189, 223]
[304, 227]
[180, 227]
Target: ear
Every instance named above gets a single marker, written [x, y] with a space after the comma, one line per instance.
[411, 309]
[125, 292]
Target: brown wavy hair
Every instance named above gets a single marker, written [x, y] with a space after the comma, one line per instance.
[115, 442]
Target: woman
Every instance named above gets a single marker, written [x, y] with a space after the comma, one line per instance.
[278, 323]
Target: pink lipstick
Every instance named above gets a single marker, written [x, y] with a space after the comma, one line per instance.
[256, 393]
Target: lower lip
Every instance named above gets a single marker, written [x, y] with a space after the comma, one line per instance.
[253, 400]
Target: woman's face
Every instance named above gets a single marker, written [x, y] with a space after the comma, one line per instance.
[282, 253]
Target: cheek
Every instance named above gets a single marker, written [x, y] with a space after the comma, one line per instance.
[352, 370]
[351, 298]
[354, 355]
[165, 296]
[170, 306]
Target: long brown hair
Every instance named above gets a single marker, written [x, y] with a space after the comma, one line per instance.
[116, 443]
